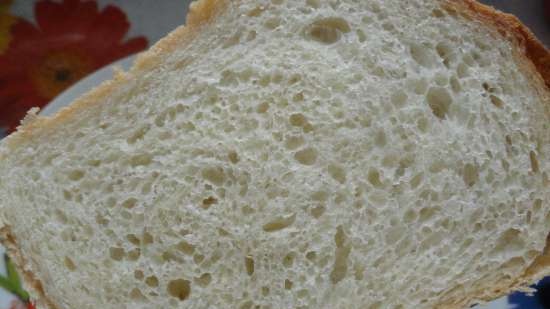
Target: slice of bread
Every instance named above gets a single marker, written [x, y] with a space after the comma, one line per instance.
[294, 154]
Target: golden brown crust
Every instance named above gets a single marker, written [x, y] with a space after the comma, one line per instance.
[202, 12]
[532, 57]
[31, 282]
[534, 272]
[510, 25]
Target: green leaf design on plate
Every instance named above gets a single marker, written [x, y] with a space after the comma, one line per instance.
[12, 272]
[12, 282]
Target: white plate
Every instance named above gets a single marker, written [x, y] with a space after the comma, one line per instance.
[85, 85]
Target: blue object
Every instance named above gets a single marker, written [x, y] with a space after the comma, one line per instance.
[540, 300]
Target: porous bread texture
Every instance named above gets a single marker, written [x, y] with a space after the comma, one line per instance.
[298, 154]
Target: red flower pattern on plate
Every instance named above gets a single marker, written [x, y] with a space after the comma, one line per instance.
[70, 40]
[17, 304]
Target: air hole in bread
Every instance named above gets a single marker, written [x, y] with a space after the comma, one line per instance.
[390, 160]
[445, 52]
[337, 172]
[343, 250]
[137, 295]
[272, 23]
[129, 203]
[399, 98]
[67, 195]
[437, 13]
[288, 284]
[327, 30]
[110, 202]
[426, 213]
[288, 260]
[394, 234]
[147, 187]
[234, 39]
[294, 142]
[409, 216]
[509, 243]
[279, 223]
[209, 201]
[534, 162]
[143, 159]
[496, 101]
[152, 281]
[117, 253]
[101, 220]
[214, 175]
[314, 3]
[262, 107]
[185, 247]
[134, 254]
[307, 156]
[249, 265]
[94, 162]
[423, 124]
[388, 26]
[477, 57]
[147, 238]
[421, 54]
[462, 70]
[470, 174]
[374, 178]
[455, 85]
[138, 274]
[298, 120]
[318, 211]
[179, 288]
[416, 180]
[69, 263]
[247, 305]
[251, 36]
[203, 280]
[441, 79]
[380, 138]
[133, 239]
[419, 86]
[170, 256]
[361, 36]
[198, 258]
[76, 175]
[126, 215]
[439, 101]
[233, 157]
[299, 97]
[139, 134]
[311, 256]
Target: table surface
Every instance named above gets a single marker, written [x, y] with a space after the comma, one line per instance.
[530, 12]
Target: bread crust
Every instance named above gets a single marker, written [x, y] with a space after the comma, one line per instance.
[31, 283]
[531, 55]
[534, 59]
[510, 26]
